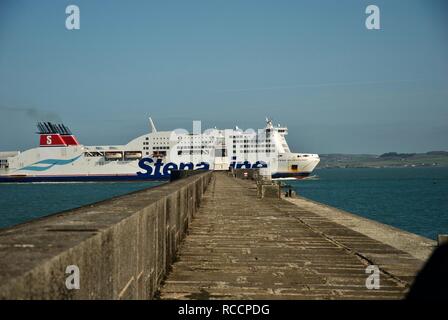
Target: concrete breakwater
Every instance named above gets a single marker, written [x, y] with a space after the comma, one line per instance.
[244, 242]
[119, 248]
[247, 244]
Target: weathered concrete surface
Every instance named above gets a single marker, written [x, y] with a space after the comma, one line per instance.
[417, 246]
[123, 246]
[269, 190]
[243, 247]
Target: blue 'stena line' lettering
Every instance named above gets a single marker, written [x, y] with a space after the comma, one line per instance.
[248, 165]
[158, 169]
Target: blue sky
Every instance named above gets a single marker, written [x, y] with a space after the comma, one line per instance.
[311, 65]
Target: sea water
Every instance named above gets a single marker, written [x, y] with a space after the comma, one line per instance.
[412, 199]
[23, 202]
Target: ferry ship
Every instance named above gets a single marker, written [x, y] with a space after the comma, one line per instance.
[61, 158]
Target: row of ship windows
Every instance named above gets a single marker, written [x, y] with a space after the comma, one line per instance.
[179, 138]
[257, 141]
[204, 137]
[254, 146]
[164, 143]
[255, 151]
[248, 135]
[156, 148]
[114, 155]
[252, 142]
[192, 147]
[261, 146]
[157, 138]
[209, 139]
[268, 145]
[147, 143]
[192, 152]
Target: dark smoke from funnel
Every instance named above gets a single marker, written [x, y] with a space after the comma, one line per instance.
[32, 113]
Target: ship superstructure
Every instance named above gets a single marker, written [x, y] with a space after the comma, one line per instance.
[152, 156]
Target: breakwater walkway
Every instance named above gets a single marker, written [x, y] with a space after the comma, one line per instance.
[242, 247]
[209, 236]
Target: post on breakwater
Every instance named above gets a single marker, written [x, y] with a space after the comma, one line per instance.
[266, 188]
[442, 239]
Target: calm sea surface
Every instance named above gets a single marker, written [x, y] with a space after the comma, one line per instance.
[412, 199]
[23, 202]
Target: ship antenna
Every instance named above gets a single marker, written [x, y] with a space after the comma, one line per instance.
[153, 127]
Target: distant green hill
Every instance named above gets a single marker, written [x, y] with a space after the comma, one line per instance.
[390, 159]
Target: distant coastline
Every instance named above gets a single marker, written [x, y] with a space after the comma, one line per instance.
[385, 160]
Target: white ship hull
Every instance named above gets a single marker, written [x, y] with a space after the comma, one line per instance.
[152, 156]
